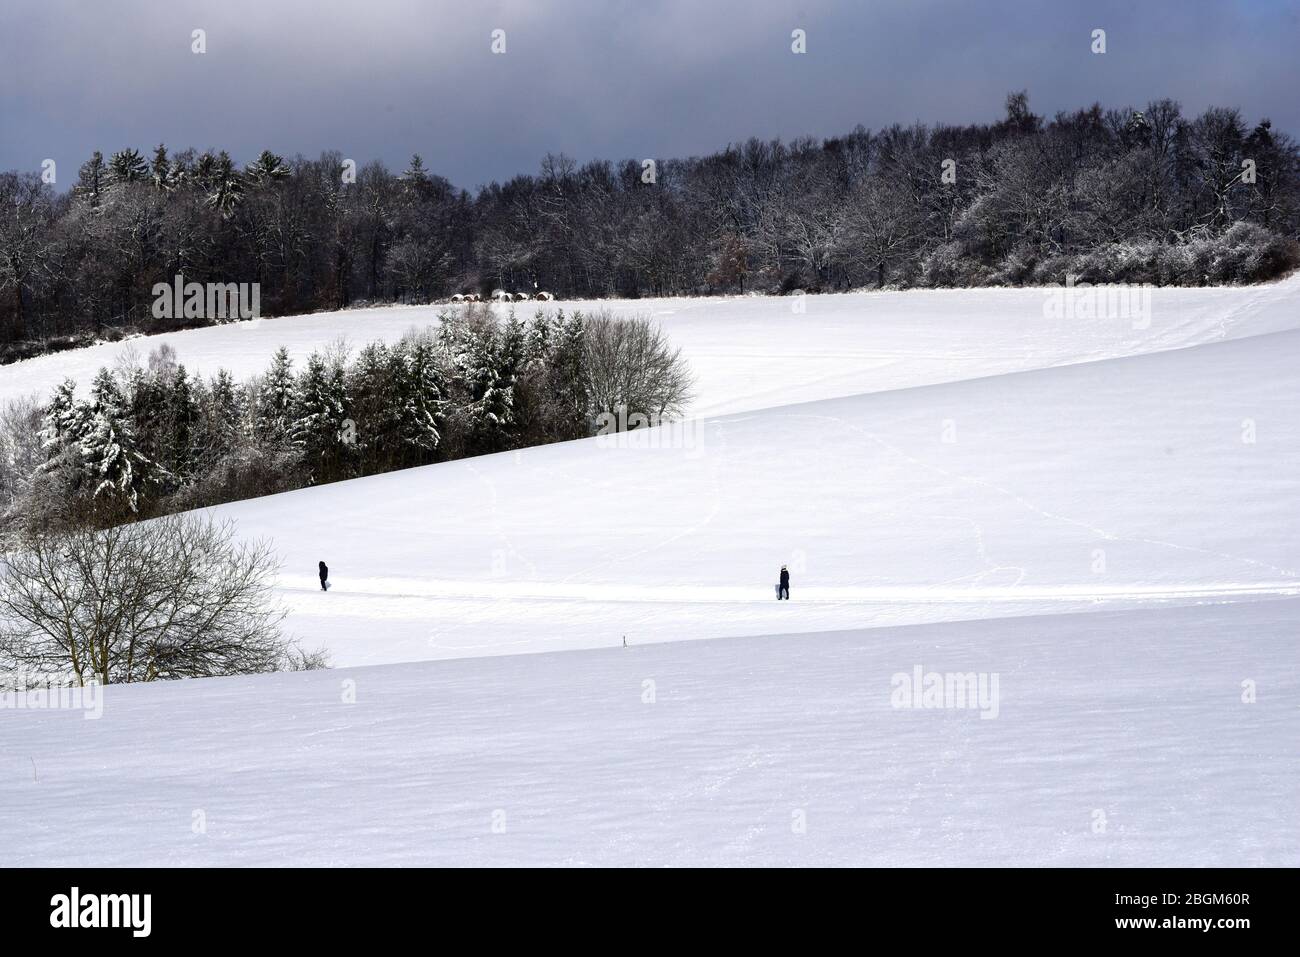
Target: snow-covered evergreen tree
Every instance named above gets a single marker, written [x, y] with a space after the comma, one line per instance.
[64, 420]
[514, 348]
[92, 179]
[180, 423]
[63, 424]
[225, 185]
[321, 427]
[420, 398]
[489, 387]
[375, 387]
[275, 399]
[415, 171]
[541, 332]
[160, 168]
[115, 465]
[127, 166]
[144, 393]
[267, 168]
[222, 417]
[568, 392]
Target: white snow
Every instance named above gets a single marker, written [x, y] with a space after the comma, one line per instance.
[1101, 511]
[757, 352]
[1119, 483]
[1131, 722]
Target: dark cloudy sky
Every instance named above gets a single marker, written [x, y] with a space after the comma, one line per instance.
[381, 79]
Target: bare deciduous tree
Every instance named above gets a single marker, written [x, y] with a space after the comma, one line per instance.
[177, 597]
[631, 366]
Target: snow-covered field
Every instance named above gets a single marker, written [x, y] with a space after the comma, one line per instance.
[1123, 483]
[759, 352]
[1104, 512]
[1120, 739]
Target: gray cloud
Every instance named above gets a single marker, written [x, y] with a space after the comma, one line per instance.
[382, 79]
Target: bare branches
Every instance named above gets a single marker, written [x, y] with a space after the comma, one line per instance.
[177, 597]
[632, 367]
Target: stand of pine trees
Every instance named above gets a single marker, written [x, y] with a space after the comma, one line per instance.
[1118, 195]
[150, 439]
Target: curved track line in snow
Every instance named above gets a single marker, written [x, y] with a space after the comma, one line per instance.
[424, 589]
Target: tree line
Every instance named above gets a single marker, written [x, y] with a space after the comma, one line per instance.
[1100, 195]
[150, 438]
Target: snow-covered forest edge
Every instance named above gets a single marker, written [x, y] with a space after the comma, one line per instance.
[1131, 195]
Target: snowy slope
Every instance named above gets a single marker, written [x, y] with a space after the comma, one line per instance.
[758, 352]
[915, 458]
[1123, 481]
[879, 518]
[1128, 720]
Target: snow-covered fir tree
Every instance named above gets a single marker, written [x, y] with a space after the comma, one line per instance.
[146, 394]
[420, 399]
[92, 179]
[275, 400]
[321, 424]
[180, 423]
[222, 417]
[127, 166]
[490, 388]
[375, 386]
[63, 424]
[267, 168]
[225, 185]
[116, 467]
[567, 388]
[514, 348]
[416, 172]
[537, 344]
[64, 419]
[161, 172]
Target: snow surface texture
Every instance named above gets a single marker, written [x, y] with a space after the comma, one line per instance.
[1121, 740]
[914, 458]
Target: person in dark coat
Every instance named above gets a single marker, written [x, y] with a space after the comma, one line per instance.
[785, 584]
[324, 575]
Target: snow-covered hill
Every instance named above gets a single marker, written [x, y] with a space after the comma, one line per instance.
[759, 352]
[1128, 482]
[1121, 739]
[1101, 512]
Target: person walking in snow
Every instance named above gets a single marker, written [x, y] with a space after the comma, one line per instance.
[324, 577]
[784, 590]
